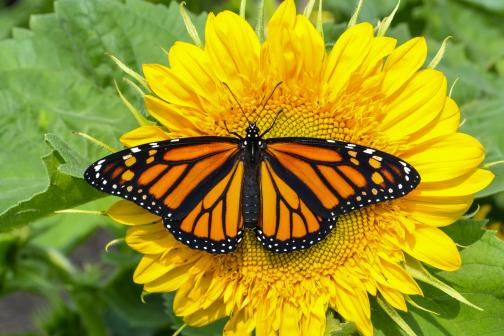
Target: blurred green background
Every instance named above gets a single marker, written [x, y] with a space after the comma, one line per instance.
[56, 79]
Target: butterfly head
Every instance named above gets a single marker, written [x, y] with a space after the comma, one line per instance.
[252, 131]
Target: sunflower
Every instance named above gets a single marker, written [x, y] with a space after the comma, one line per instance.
[366, 90]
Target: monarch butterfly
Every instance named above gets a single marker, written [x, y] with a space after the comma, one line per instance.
[290, 191]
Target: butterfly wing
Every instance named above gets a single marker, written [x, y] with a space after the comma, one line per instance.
[307, 183]
[194, 184]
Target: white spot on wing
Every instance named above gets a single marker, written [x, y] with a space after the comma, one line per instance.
[135, 150]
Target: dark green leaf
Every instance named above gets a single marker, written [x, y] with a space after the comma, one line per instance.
[124, 297]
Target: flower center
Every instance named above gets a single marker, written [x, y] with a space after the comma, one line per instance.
[352, 117]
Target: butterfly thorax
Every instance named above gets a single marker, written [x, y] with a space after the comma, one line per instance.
[253, 146]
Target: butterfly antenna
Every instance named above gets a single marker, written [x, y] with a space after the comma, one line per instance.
[267, 100]
[237, 102]
[232, 133]
[273, 124]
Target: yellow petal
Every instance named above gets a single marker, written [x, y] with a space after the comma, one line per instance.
[311, 57]
[394, 297]
[149, 239]
[202, 317]
[155, 282]
[294, 48]
[437, 212]
[416, 106]
[399, 279]
[240, 324]
[169, 86]
[143, 135]
[402, 63]
[381, 47]
[233, 48]
[126, 212]
[172, 116]
[354, 306]
[446, 123]
[192, 63]
[316, 321]
[463, 186]
[447, 158]
[290, 319]
[283, 17]
[148, 269]
[434, 247]
[346, 56]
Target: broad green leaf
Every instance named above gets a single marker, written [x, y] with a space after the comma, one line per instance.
[63, 192]
[57, 78]
[466, 231]
[482, 268]
[465, 24]
[484, 119]
[19, 12]
[74, 164]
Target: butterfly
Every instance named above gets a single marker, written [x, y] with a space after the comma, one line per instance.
[290, 191]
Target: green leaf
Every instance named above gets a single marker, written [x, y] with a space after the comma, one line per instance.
[482, 270]
[57, 78]
[75, 164]
[124, 297]
[491, 5]
[484, 120]
[63, 192]
[466, 232]
[336, 327]
[479, 280]
[19, 13]
[466, 25]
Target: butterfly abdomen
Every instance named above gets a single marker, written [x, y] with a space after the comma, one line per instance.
[250, 197]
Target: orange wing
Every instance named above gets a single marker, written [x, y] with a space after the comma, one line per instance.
[287, 222]
[307, 183]
[194, 184]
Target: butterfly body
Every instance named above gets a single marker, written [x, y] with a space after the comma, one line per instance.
[252, 146]
[289, 191]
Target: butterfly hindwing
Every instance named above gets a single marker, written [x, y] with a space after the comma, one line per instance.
[191, 183]
[287, 221]
[323, 179]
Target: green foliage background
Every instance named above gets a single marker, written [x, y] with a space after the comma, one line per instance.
[56, 79]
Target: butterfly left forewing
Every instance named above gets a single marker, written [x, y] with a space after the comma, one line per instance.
[188, 182]
[329, 178]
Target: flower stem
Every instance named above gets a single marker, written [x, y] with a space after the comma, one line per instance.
[179, 330]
